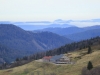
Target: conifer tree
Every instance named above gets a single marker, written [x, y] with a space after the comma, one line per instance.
[89, 66]
[89, 50]
[17, 59]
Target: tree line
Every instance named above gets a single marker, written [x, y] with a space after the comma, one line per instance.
[62, 50]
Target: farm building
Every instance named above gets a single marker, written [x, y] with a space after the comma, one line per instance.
[58, 59]
[46, 58]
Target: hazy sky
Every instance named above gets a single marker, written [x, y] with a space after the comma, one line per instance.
[34, 10]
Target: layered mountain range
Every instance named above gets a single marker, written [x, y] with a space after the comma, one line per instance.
[75, 33]
[18, 42]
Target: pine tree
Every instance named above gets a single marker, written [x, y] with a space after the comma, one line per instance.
[89, 66]
[17, 59]
[89, 50]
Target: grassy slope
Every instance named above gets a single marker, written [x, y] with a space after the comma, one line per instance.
[47, 68]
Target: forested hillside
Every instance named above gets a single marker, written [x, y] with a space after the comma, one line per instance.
[80, 56]
[26, 42]
[84, 35]
[7, 54]
[62, 50]
[75, 46]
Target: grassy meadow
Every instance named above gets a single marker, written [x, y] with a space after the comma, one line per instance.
[80, 57]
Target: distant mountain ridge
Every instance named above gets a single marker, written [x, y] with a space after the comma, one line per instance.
[68, 30]
[62, 31]
[84, 35]
[75, 33]
[34, 25]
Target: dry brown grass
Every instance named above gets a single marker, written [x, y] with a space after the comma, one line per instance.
[67, 69]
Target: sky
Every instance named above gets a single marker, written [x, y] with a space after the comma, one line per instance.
[50, 10]
[39, 10]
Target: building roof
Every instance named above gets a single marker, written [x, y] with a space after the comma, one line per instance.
[56, 57]
[47, 57]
